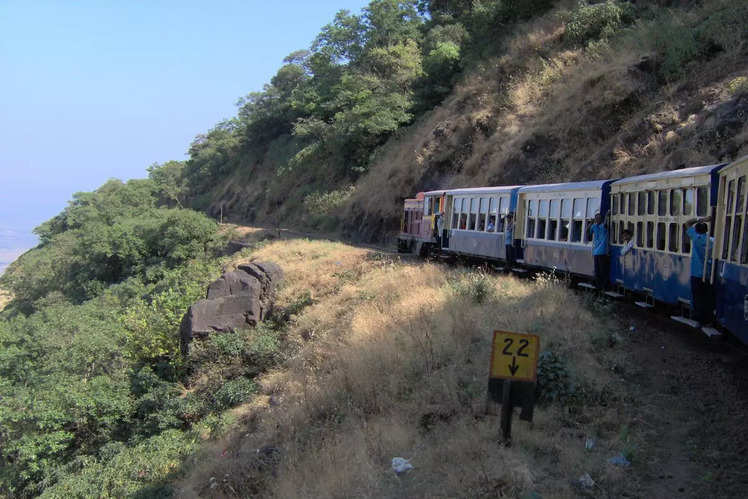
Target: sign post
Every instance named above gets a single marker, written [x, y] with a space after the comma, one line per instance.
[514, 366]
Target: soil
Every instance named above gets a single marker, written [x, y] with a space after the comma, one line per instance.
[690, 396]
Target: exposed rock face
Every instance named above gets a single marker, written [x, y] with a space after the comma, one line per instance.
[238, 298]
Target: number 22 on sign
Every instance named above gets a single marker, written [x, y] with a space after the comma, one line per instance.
[514, 356]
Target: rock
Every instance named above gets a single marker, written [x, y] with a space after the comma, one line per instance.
[586, 481]
[401, 465]
[234, 283]
[239, 298]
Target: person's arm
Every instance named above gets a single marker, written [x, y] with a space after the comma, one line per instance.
[693, 221]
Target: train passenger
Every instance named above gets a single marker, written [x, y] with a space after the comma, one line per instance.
[600, 251]
[490, 227]
[439, 229]
[628, 242]
[509, 238]
[702, 293]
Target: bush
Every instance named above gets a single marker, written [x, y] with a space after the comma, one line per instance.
[588, 23]
[234, 392]
[553, 379]
[476, 286]
[675, 44]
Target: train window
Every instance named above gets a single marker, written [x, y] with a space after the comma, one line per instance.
[473, 213]
[492, 203]
[504, 205]
[531, 214]
[563, 230]
[744, 251]
[661, 236]
[463, 214]
[662, 203]
[639, 234]
[685, 240]
[650, 202]
[650, 234]
[641, 207]
[676, 202]
[553, 220]
[730, 195]
[736, 237]
[673, 238]
[482, 215]
[632, 203]
[614, 204]
[726, 239]
[688, 202]
[593, 207]
[702, 201]
[741, 195]
[577, 220]
[542, 217]
[455, 213]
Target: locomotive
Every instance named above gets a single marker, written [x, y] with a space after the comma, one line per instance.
[550, 233]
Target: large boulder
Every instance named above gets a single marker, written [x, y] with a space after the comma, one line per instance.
[239, 298]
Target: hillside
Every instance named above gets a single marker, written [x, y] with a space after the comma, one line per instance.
[389, 358]
[366, 356]
[574, 92]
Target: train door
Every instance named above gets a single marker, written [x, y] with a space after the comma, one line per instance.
[448, 208]
[731, 249]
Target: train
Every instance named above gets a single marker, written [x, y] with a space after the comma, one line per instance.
[550, 233]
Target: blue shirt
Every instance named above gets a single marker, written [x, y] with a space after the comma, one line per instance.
[599, 239]
[698, 251]
[509, 233]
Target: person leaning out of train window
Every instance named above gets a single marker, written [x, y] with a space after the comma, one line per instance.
[600, 251]
[628, 242]
[701, 290]
[509, 238]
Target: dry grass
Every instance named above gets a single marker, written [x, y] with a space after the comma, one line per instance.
[391, 360]
[5, 298]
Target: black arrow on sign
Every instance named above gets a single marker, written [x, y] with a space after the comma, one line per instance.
[513, 366]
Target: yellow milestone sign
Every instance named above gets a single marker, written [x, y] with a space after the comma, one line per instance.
[515, 356]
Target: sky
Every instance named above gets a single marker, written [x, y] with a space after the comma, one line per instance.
[93, 90]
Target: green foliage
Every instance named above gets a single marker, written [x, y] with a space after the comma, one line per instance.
[738, 86]
[234, 392]
[676, 45]
[590, 22]
[326, 202]
[476, 286]
[553, 379]
[169, 180]
[104, 237]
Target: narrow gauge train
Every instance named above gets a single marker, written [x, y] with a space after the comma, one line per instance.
[551, 232]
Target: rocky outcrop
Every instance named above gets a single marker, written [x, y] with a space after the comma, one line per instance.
[239, 298]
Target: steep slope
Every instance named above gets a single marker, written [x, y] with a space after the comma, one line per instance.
[583, 91]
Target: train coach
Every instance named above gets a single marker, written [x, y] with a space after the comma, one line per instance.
[729, 272]
[552, 232]
[655, 208]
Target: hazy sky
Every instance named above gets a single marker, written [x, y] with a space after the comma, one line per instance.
[91, 90]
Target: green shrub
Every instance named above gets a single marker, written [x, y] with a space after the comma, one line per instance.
[553, 379]
[476, 286]
[675, 44]
[588, 22]
[234, 392]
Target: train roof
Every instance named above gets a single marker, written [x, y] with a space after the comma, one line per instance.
[474, 190]
[566, 186]
[683, 172]
[737, 162]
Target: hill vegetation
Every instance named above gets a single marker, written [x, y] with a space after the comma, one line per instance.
[414, 95]
[407, 95]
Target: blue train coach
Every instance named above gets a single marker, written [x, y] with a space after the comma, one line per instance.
[729, 271]
[655, 209]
